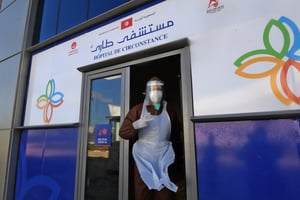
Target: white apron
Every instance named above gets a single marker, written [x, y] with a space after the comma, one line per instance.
[153, 152]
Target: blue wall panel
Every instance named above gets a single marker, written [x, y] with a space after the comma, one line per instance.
[47, 164]
[248, 160]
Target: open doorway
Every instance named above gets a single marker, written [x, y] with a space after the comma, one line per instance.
[168, 70]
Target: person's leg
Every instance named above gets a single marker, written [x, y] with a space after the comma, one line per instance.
[164, 194]
[141, 191]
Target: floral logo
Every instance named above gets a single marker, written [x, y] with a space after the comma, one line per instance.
[51, 99]
[214, 6]
[213, 3]
[281, 62]
[74, 49]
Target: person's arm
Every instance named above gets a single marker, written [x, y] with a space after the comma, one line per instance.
[127, 131]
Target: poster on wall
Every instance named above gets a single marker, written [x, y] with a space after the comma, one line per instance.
[249, 63]
[102, 135]
[54, 89]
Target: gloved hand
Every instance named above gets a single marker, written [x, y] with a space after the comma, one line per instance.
[142, 122]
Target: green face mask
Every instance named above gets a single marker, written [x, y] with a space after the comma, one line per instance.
[156, 106]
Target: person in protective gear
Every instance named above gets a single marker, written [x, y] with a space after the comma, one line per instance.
[152, 124]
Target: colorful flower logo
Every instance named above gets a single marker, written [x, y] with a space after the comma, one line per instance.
[213, 3]
[282, 61]
[73, 45]
[51, 99]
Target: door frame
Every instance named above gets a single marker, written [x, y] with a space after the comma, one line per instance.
[122, 65]
[83, 137]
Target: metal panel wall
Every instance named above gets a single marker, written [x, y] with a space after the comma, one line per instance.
[8, 83]
[6, 3]
[12, 23]
[4, 141]
[13, 17]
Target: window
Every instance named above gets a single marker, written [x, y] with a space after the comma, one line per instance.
[259, 157]
[97, 7]
[56, 16]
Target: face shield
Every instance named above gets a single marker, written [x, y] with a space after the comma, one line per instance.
[154, 91]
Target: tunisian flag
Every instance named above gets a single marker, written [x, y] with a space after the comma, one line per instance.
[126, 23]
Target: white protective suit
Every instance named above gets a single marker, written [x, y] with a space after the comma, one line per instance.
[153, 152]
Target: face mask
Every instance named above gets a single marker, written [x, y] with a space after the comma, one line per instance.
[155, 96]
